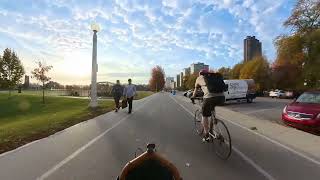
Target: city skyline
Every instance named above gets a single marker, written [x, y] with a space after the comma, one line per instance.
[136, 36]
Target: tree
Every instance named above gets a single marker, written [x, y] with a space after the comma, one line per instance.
[257, 69]
[226, 72]
[157, 80]
[287, 76]
[305, 16]
[290, 50]
[11, 70]
[190, 81]
[235, 71]
[299, 53]
[40, 73]
[311, 66]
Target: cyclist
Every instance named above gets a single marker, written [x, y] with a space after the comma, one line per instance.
[213, 86]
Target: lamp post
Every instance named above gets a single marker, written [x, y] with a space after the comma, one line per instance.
[94, 103]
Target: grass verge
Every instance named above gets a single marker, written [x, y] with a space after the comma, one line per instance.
[143, 94]
[23, 118]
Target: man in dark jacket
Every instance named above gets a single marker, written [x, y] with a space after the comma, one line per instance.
[117, 93]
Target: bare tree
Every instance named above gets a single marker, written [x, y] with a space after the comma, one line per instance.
[40, 73]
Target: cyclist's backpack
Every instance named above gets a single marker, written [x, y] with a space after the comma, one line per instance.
[215, 83]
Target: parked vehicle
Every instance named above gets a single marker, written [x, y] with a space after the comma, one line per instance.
[188, 93]
[277, 93]
[304, 113]
[289, 94]
[240, 89]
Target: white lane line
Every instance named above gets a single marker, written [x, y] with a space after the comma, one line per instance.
[244, 157]
[277, 143]
[252, 163]
[77, 152]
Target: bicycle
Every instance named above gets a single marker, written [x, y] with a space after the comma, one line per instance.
[218, 132]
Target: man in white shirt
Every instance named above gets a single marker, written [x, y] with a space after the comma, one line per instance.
[129, 92]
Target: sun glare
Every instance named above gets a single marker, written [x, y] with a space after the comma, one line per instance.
[77, 64]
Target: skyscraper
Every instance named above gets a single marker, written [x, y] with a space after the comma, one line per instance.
[181, 79]
[178, 80]
[195, 68]
[251, 48]
[186, 71]
[169, 80]
[26, 81]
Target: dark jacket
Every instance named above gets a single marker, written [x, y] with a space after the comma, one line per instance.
[117, 91]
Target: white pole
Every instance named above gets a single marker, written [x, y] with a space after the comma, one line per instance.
[94, 102]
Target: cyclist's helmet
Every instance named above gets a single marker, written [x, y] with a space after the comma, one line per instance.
[203, 72]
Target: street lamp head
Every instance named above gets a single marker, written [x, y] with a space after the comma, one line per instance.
[95, 27]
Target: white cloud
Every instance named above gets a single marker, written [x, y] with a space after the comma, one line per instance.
[211, 31]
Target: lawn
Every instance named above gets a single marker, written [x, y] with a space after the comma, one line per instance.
[23, 117]
[143, 94]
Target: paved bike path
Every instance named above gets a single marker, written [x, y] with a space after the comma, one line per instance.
[165, 123]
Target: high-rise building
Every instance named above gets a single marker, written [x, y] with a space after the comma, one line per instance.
[195, 68]
[252, 48]
[181, 79]
[26, 81]
[178, 80]
[186, 71]
[169, 80]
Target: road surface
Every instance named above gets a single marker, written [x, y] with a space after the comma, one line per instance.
[262, 108]
[99, 148]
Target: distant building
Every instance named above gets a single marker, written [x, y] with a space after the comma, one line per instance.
[169, 81]
[195, 68]
[187, 71]
[173, 85]
[26, 81]
[178, 80]
[181, 79]
[252, 48]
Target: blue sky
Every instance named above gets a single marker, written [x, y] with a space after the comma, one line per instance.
[137, 34]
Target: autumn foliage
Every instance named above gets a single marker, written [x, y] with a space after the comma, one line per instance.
[257, 69]
[157, 81]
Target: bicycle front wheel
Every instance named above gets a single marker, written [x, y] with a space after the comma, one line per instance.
[222, 143]
[198, 128]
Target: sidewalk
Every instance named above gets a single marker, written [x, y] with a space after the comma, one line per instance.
[287, 137]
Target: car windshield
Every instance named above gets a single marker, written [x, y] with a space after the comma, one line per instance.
[309, 98]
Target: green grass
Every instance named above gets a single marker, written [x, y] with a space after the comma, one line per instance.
[23, 118]
[143, 94]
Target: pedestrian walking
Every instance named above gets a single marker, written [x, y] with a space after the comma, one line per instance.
[129, 92]
[116, 92]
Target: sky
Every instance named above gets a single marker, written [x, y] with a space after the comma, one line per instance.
[137, 35]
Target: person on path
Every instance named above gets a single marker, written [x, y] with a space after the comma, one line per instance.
[116, 92]
[129, 92]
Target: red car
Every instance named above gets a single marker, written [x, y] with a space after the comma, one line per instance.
[304, 113]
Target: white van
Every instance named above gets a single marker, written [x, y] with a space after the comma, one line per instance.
[240, 89]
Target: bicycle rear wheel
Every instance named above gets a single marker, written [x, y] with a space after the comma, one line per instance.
[222, 143]
[197, 122]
